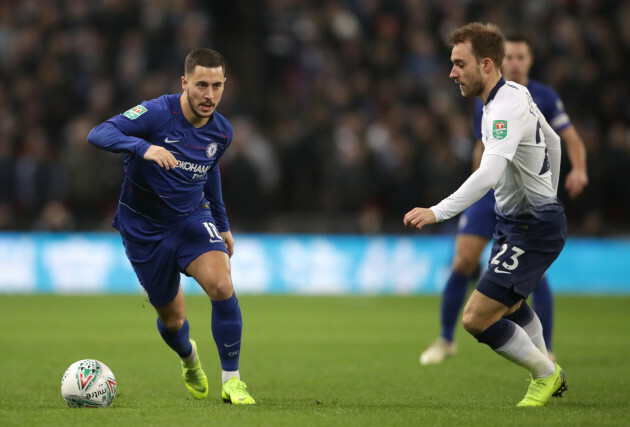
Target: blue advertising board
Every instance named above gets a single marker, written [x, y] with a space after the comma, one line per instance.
[294, 264]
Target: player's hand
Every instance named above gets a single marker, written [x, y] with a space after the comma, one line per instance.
[575, 182]
[419, 217]
[229, 241]
[161, 156]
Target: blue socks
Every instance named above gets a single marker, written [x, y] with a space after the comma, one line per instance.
[227, 328]
[177, 340]
[452, 300]
[498, 334]
[543, 306]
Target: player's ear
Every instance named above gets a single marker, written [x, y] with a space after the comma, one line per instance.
[487, 64]
[184, 83]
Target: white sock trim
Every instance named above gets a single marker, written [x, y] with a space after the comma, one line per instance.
[226, 375]
[190, 359]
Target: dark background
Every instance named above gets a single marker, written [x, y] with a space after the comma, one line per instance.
[344, 114]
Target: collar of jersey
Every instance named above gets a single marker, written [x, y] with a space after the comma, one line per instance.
[495, 89]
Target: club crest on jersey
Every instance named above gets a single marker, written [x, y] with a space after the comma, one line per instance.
[499, 129]
[135, 112]
[211, 149]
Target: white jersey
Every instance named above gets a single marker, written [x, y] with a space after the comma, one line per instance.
[521, 158]
[513, 127]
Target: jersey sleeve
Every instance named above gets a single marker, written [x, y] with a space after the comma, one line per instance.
[214, 195]
[477, 118]
[505, 130]
[552, 142]
[212, 189]
[127, 132]
[483, 179]
[557, 117]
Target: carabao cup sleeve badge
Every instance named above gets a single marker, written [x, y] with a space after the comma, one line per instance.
[499, 129]
[211, 150]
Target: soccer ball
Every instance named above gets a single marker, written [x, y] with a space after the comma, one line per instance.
[88, 383]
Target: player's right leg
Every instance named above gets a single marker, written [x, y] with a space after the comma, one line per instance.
[158, 273]
[174, 330]
[468, 249]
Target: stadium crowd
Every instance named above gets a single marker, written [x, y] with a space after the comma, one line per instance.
[344, 114]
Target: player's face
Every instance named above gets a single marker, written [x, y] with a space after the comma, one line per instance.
[517, 62]
[466, 71]
[204, 88]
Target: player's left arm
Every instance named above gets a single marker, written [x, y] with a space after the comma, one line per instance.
[577, 178]
[214, 195]
[229, 241]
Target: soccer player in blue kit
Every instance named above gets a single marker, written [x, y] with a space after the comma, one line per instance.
[521, 161]
[477, 223]
[171, 214]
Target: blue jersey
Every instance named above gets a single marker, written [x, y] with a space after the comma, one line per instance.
[153, 199]
[548, 102]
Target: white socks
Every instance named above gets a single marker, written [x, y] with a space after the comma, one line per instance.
[226, 375]
[189, 360]
[521, 350]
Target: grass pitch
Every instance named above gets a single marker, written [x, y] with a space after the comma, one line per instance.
[307, 361]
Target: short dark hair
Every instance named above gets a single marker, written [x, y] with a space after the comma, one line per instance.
[204, 57]
[520, 38]
[486, 40]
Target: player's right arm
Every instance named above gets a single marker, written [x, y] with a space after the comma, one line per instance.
[477, 154]
[478, 149]
[120, 134]
[478, 184]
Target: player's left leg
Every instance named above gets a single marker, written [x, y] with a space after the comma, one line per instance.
[212, 271]
[542, 300]
[484, 319]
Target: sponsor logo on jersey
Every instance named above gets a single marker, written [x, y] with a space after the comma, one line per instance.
[499, 129]
[211, 149]
[135, 112]
[192, 167]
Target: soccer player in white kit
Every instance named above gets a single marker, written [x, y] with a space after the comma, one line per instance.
[521, 161]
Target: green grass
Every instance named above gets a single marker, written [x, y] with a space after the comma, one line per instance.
[307, 361]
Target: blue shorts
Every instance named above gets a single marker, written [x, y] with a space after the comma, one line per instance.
[479, 218]
[158, 263]
[524, 248]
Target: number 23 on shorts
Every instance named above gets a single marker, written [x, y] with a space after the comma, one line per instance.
[510, 264]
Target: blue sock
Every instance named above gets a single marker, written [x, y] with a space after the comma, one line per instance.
[177, 340]
[453, 298]
[543, 306]
[227, 328]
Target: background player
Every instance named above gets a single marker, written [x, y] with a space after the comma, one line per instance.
[477, 223]
[521, 161]
[171, 214]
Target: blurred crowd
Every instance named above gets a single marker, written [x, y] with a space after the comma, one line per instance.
[344, 114]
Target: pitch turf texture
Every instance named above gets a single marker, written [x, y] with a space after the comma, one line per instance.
[307, 361]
